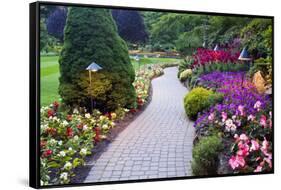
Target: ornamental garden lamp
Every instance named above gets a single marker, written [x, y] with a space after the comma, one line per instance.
[93, 67]
[216, 48]
[246, 59]
[137, 58]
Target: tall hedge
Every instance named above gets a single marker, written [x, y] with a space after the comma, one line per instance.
[90, 35]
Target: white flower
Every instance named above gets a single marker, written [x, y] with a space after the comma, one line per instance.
[53, 142]
[228, 122]
[75, 111]
[44, 127]
[76, 138]
[60, 142]
[105, 127]
[64, 123]
[62, 154]
[87, 115]
[251, 117]
[83, 151]
[67, 166]
[85, 127]
[70, 149]
[64, 176]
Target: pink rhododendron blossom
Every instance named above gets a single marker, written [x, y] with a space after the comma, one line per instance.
[258, 169]
[241, 110]
[254, 145]
[257, 105]
[243, 149]
[243, 137]
[224, 116]
[236, 161]
[211, 117]
[263, 121]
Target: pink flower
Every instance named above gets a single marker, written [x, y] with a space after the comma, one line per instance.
[236, 161]
[251, 117]
[255, 145]
[224, 116]
[243, 137]
[258, 169]
[257, 105]
[241, 110]
[211, 117]
[269, 162]
[263, 121]
[243, 149]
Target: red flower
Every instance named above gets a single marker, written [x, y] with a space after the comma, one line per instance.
[51, 131]
[97, 136]
[69, 132]
[69, 117]
[47, 153]
[43, 143]
[80, 126]
[56, 104]
[50, 113]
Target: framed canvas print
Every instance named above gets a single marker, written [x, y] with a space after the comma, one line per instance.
[121, 94]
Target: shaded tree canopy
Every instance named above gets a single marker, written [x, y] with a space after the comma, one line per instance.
[130, 25]
[56, 22]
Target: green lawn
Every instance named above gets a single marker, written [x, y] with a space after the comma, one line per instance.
[152, 60]
[50, 75]
[49, 79]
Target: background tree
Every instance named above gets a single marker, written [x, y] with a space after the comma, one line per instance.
[91, 35]
[56, 22]
[130, 25]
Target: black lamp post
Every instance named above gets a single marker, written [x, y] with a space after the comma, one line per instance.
[93, 67]
[244, 57]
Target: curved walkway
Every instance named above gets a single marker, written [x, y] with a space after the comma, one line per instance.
[157, 144]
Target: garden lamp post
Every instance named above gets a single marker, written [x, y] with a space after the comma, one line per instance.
[244, 57]
[137, 60]
[216, 47]
[93, 67]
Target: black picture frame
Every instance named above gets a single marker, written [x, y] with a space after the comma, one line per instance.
[34, 91]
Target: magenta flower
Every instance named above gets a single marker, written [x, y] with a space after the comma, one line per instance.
[263, 121]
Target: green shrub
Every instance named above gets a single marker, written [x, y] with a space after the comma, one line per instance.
[185, 74]
[199, 99]
[185, 64]
[205, 155]
[90, 35]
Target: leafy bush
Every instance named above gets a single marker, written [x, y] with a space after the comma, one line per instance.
[199, 99]
[90, 35]
[185, 74]
[185, 64]
[205, 155]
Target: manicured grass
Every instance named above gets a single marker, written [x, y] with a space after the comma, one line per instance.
[50, 75]
[49, 79]
[153, 60]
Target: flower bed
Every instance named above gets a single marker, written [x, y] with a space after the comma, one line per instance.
[66, 139]
[243, 120]
[204, 57]
[142, 83]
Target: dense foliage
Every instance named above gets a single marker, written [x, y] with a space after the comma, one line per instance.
[95, 40]
[205, 155]
[130, 25]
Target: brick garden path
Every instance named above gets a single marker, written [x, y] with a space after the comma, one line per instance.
[157, 144]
